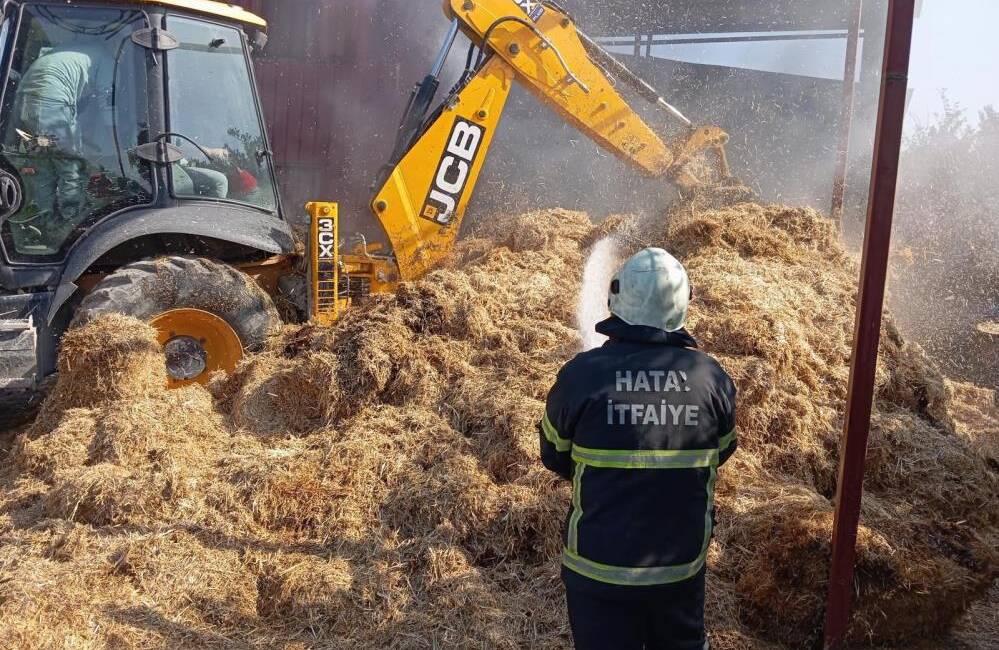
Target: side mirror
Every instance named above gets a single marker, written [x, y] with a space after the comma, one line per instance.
[258, 40]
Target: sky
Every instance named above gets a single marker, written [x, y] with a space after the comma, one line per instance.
[955, 48]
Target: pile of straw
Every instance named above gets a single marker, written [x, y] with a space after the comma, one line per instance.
[377, 484]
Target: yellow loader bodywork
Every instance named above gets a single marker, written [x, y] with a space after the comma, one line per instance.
[422, 202]
[209, 8]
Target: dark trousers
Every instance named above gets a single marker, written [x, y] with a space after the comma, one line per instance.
[667, 618]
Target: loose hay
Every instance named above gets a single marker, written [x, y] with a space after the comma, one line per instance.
[377, 484]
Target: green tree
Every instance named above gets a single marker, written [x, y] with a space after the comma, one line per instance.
[947, 215]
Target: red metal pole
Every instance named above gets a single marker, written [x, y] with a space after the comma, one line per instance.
[846, 113]
[870, 303]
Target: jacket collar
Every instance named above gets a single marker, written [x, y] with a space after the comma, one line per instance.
[616, 329]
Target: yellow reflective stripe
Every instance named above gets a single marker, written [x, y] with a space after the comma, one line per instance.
[709, 512]
[645, 458]
[646, 576]
[726, 440]
[551, 435]
[631, 576]
[577, 508]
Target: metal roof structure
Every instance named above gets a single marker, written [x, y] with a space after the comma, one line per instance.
[707, 16]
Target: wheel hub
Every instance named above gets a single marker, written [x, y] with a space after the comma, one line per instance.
[185, 357]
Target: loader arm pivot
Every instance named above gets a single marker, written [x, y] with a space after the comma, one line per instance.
[423, 192]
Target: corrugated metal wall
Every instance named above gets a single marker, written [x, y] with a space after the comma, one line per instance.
[330, 92]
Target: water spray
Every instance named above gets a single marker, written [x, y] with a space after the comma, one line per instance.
[591, 305]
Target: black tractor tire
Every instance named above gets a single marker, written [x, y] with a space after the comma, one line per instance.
[18, 407]
[151, 287]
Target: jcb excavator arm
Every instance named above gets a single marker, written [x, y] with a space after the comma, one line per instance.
[424, 190]
[571, 73]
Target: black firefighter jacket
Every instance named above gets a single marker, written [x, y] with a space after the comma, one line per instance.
[640, 426]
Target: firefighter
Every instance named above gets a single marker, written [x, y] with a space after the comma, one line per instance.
[640, 426]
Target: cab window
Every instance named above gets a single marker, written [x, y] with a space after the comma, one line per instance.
[74, 111]
[214, 117]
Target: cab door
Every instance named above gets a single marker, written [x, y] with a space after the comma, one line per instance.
[74, 110]
[214, 117]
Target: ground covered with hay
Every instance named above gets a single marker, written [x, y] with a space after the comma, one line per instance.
[377, 484]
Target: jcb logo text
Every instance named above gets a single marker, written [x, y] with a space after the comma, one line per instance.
[453, 172]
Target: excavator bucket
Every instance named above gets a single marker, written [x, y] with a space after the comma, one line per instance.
[693, 168]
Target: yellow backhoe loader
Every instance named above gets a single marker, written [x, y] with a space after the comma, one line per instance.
[136, 176]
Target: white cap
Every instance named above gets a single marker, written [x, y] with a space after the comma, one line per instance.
[651, 289]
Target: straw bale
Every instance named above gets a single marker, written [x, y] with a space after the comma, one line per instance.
[273, 395]
[975, 411]
[118, 358]
[219, 587]
[979, 626]
[311, 591]
[47, 604]
[40, 453]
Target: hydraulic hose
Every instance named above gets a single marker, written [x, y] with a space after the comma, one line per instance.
[639, 85]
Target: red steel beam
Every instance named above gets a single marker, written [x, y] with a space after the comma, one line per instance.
[870, 303]
[846, 112]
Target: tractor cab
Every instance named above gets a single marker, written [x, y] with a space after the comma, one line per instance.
[133, 152]
[115, 107]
